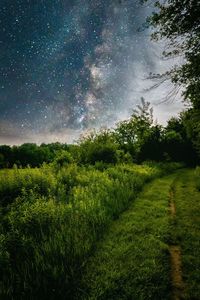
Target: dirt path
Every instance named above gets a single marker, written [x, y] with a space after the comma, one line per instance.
[175, 255]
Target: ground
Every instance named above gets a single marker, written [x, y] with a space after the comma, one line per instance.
[153, 250]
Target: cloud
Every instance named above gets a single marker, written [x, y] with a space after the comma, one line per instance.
[12, 134]
[90, 72]
[119, 69]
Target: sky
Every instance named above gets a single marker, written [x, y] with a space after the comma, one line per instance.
[67, 66]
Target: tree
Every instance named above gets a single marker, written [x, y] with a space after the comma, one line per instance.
[63, 158]
[152, 148]
[138, 135]
[7, 156]
[179, 22]
[177, 143]
[2, 162]
[98, 147]
[191, 121]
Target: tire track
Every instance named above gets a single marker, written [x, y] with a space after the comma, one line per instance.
[178, 288]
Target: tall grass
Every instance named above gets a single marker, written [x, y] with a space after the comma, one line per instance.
[197, 177]
[13, 182]
[52, 220]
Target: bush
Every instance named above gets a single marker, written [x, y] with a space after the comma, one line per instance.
[95, 152]
[63, 158]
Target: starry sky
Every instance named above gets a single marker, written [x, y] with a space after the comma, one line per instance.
[70, 65]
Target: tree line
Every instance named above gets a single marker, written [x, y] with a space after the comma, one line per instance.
[137, 139]
[28, 154]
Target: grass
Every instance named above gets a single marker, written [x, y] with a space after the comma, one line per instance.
[187, 230]
[13, 182]
[197, 177]
[52, 219]
[132, 261]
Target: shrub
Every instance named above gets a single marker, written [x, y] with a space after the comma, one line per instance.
[97, 152]
[63, 158]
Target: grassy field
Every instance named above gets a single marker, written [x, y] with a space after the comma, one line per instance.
[89, 233]
[133, 260]
[52, 218]
[187, 230]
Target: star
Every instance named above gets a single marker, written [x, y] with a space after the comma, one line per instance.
[73, 64]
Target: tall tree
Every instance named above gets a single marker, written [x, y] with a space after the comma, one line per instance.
[138, 135]
[179, 22]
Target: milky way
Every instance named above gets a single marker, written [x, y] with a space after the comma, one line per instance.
[67, 66]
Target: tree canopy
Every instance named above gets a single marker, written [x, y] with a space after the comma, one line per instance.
[178, 23]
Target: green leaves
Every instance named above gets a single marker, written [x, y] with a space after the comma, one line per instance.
[179, 22]
[51, 228]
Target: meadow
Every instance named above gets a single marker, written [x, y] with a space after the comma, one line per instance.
[51, 219]
[152, 250]
[117, 214]
[59, 202]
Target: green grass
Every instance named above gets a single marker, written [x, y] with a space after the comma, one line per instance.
[52, 219]
[13, 182]
[132, 261]
[187, 230]
[197, 177]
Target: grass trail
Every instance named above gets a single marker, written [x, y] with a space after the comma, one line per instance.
[132, 262]
[186, 231]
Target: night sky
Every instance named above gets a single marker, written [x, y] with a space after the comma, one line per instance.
[70, 65]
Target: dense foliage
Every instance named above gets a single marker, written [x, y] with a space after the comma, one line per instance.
[134, 140]
[52, 217]
[197, 177]
[29, 154]
[178, 24]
